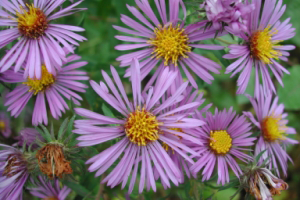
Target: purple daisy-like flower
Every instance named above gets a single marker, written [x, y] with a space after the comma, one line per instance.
[261, 47]
[29, 136]
[233, 14]
[272, 122]
[140, 131]
[5, 125]
[167, 42]
[49, 189]
[224, 137]
[39, 40]
[49, 88]
[13, 173]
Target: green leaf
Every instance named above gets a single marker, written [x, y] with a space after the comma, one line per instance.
[62, 129]
[70, 125]
[259, 156]
[107, 111]
[289, 95]
[45, 133]
[292, 11]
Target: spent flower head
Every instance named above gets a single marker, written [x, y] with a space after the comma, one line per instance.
[57, 154]
[260, 182]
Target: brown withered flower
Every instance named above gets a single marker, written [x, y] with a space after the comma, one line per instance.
[52, 161]
[262, 184]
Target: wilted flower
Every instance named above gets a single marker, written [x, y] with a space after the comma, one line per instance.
[272, 122]
[229, 14]
[50, 88]
[261, 183]
[5, 125]
[261, 47]
[52, 161]
[169, 43]
[38, 41]
[14, 172]
[29, 136]
[49, 190]
[141, 132]
[56, 153]
[224, 135]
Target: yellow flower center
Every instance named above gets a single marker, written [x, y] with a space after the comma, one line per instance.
[142, 127]
[38, 85]
[262, 45]
[271, 129]
[2, 125]
[170, 44]
[220, 142]
[32, 23]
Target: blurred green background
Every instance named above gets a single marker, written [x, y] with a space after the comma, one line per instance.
[100, 53]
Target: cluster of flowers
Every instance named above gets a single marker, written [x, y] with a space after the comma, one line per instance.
[162, 133]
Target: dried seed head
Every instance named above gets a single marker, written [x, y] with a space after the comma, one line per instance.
[52, 161]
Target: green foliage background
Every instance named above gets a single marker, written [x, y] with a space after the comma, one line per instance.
[100, 53]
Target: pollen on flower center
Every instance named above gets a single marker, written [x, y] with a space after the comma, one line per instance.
[171, 44]
[142, 127]
[38, 85]
[271, 129]
[2, 125]
[220, 141]
[262, 46]
[32, 22]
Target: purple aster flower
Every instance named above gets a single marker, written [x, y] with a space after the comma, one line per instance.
[224, 137]
[39, 40]
[272, 122]
[141, 131]
[49, 189]
[233, 14]
[5, 125]
[167, 42]
[261, 47]
[13, 173]
[51, 88]
[29, 136]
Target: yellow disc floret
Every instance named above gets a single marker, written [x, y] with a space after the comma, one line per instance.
[2, 125]
[272, 130]
[262, 45]
[220, 142]
[39, 85]
[170, 43]
[32, 22]
[142, 127]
